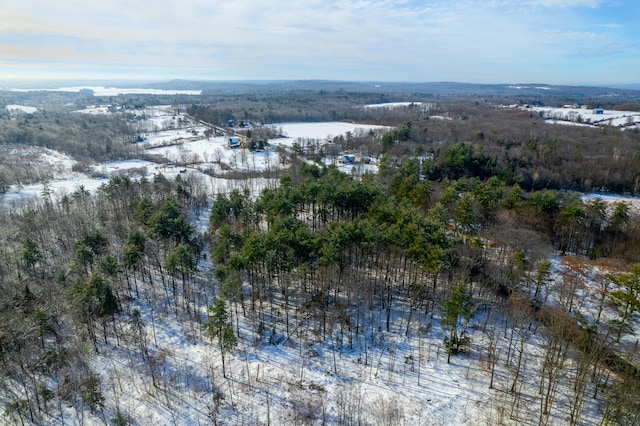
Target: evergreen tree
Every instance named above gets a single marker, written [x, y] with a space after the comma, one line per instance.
[219, 327]
[457, 311]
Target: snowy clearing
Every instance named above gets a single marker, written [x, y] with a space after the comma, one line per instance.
[322, 131]
[589, 116]
[611, 200]
[421, 106]
[13, 109]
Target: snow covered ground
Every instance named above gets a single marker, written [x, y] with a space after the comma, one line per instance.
[421, 106]
[611, 199]
[322, 131]
[590, 116]
[382, 378]
[393, 379]
[13, 109]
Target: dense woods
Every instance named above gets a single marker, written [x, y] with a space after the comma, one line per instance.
[452, 242]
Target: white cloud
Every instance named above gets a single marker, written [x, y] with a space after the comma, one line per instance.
[611, 25]
[566, 3]
[561, 36]
[350, 39]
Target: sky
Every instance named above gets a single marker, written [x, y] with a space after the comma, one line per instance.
[474, 41]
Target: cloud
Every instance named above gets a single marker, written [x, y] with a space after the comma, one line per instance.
[348, 39]
[566, 3]
[563, 36]
[610, 25]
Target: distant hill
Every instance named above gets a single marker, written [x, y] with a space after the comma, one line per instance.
[526, 92]
[635, 86]
[445, 89]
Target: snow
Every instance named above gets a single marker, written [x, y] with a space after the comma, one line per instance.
[611, 199]
[570, 123]
[97, 109]
[20, 108]
[383, 375]
[392, 371]
[391, 105]
[590, 277]
[589, 116]
[322, 131]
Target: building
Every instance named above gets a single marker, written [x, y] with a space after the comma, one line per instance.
[234, 142]
[347, 159]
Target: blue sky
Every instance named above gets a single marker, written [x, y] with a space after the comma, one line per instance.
[477, 41]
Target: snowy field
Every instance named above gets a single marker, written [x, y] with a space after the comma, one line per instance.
[590, 117]
[418, 106]
[16, 109]
[321, 131]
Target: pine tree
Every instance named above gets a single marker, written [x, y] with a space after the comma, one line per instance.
[219, 327]
[457, 311]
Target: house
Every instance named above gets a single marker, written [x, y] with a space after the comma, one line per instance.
[234, 142]
[347, 159]
[598, 111]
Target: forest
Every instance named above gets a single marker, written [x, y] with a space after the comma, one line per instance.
[472, 242]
